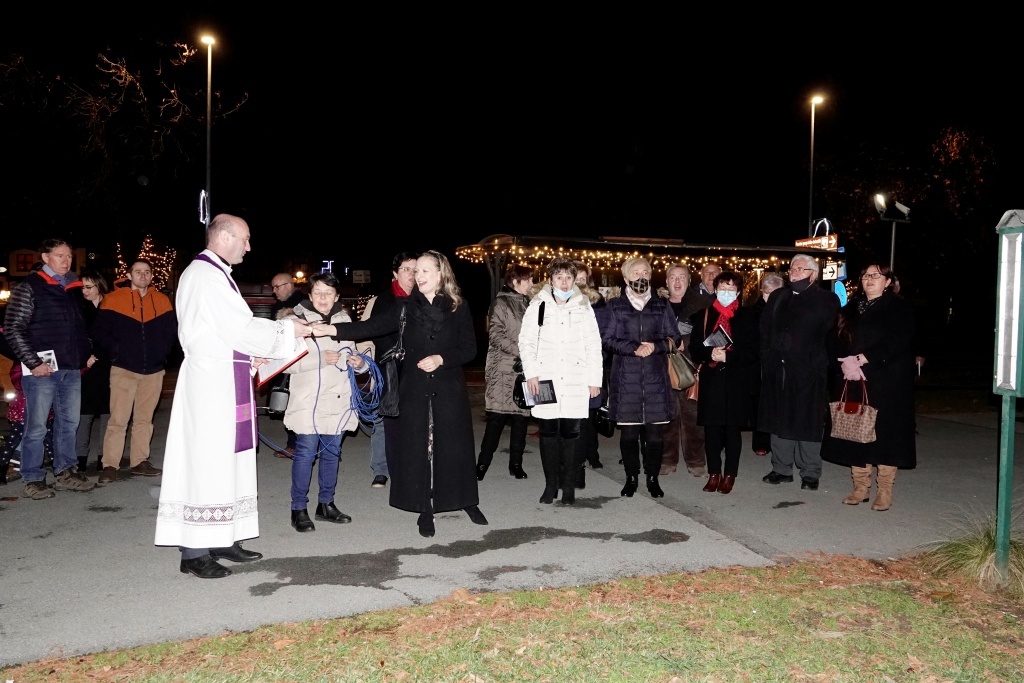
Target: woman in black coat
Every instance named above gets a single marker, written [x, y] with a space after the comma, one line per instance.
[723, 406]
[434, 466]
[635, 329]
[95, 374]
[874, 341]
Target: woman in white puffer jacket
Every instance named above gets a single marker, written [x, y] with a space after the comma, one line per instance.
[560, 341]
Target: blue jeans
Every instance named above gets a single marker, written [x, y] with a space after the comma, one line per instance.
[308, 448]
[61, 391]
[378, 453]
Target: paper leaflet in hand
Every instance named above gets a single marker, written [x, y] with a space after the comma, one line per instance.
[718, 338]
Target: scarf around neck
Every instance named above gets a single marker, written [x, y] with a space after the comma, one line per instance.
[725, 314]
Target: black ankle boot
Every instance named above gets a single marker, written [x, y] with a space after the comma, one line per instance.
[632, 481]
[83, 464]
[426, 524]
[549, 462]
[302, 522]
[475, 515]
[653, 488]
[481, 471]
[517, 471]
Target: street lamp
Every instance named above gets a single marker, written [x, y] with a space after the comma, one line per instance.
[815, 101]
[900, 214]
[209, 119]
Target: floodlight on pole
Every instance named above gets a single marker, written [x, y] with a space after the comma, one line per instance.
[815, 101]
[897, 214]
[209, 40]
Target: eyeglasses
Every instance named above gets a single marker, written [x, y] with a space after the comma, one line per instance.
[407, 269]
[88, 286]
[871, 276]
[277, 287]
[801, 270]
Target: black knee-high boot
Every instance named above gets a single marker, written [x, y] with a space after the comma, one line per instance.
[549, 463]
[568, 468]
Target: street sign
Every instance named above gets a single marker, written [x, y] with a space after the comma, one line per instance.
[827, 242]
[834, 270]
[361, 277]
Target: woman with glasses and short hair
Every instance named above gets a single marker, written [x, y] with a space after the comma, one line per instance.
[874, 341]
[95, 374]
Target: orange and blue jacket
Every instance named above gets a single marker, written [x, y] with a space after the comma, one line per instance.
[138, 332]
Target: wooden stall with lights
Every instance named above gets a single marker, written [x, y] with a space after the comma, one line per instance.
[605, 256]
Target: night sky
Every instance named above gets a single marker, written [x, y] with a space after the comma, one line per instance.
[459, 126]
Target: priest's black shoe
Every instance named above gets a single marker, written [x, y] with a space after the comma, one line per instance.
[481, 472]
[236, 553]
[809, 483]
[774, 477]
[329, 513]
[426, 524]
[631, 483]
[204, 567]
[475, 515]
[302, 522]
[517, 471]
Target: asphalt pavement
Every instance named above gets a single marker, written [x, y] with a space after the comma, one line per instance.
[80, 574]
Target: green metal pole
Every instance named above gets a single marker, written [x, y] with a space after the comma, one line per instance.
[1004, 502]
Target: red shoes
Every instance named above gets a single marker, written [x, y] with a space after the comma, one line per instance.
[717, 482]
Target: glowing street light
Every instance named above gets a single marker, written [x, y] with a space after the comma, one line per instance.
[815, 101]
[209, 40]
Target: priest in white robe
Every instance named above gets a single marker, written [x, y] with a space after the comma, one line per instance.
[208, 501]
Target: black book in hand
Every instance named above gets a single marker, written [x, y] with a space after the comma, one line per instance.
[718, 338]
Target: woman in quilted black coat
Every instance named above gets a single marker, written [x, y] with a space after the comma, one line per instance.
[635, 329]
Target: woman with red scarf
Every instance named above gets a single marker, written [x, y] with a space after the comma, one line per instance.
[723, 408]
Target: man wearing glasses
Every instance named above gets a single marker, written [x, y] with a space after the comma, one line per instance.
[288, 295]
[794, 369]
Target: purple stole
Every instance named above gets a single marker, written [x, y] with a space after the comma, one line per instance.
[245, 404]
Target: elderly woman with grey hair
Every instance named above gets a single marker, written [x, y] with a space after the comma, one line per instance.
[636, 328]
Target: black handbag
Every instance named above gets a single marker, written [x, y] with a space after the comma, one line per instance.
[388, 406]
[605, 424]
[518, 390]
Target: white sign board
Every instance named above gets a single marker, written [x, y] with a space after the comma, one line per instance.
[361, 277]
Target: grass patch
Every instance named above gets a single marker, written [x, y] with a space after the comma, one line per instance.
[830, 619]
[972, 555]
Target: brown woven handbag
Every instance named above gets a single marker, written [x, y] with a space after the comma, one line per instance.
[853, 421]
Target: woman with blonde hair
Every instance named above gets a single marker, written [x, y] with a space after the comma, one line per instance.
[434, 468]
[636, 329]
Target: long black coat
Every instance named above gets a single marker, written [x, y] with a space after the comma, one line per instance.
[795, 362]
[639, 391]
[724, 397]
[885, 334]
[431, 405]
[95, 380]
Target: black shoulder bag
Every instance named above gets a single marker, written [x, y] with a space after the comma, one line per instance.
[518, 390]
[388, 406]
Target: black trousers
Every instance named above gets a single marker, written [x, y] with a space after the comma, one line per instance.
[718, 437]
[492, 436]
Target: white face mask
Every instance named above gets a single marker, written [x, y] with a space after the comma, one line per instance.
[725, 298]
[564, 296]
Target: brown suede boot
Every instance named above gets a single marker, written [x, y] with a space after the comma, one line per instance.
[886, 478]
[861, 485]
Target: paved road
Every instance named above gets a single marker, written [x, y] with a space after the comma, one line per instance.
[79, 572]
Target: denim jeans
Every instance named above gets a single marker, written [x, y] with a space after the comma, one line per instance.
[61, 391]
[378, 449]
[309, 448]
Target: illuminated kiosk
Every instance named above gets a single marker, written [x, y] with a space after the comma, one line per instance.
[606, 254]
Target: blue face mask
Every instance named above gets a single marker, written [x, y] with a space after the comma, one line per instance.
[726, 298]
[564, 296]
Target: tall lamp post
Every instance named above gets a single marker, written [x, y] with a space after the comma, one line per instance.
[209, 118]
[815, 101]
[898, 214]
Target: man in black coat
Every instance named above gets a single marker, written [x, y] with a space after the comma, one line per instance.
[288, 296]
[794, 370]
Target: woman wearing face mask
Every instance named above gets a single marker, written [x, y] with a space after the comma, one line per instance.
[724, 407]
[636, 327]
[559, 341]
